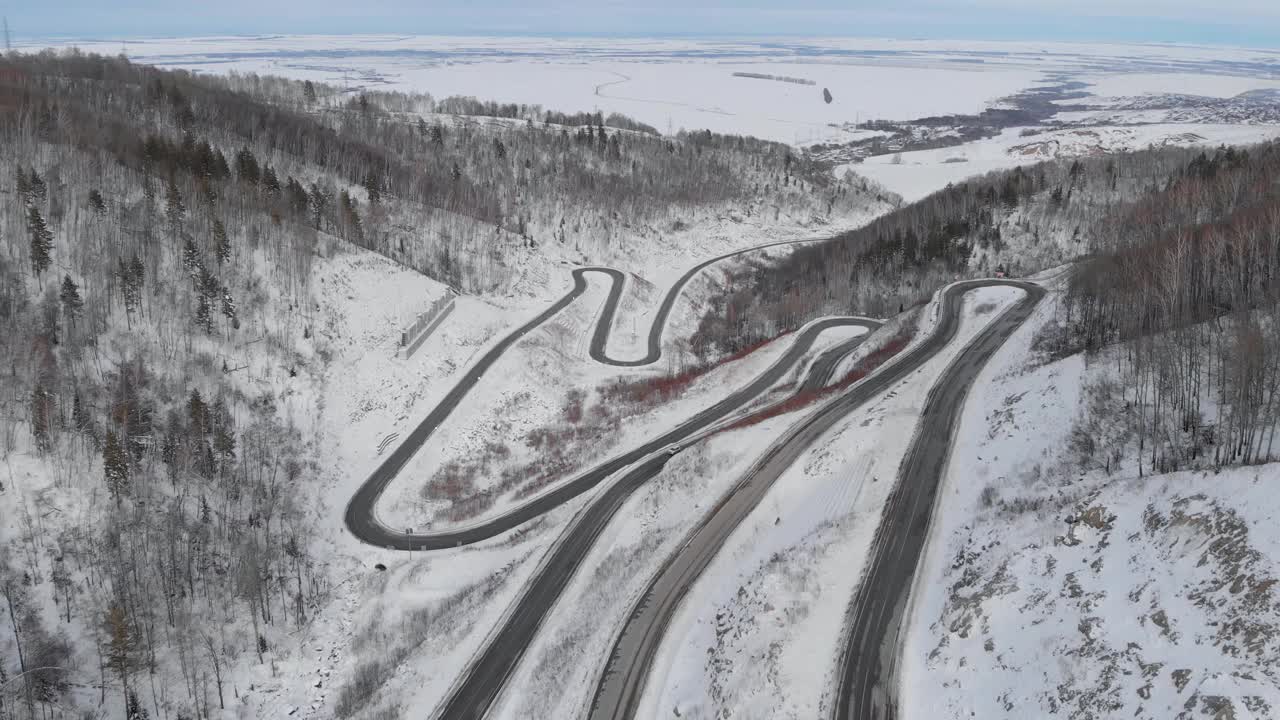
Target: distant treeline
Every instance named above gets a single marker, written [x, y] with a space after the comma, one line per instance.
[466, 105]
[778, 78]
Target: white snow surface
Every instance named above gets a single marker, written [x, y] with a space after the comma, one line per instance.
[434, 613]
[759, 633]
[913, 175]
[528, 392]
[688, 83]
[561, 669]
[1123, 85]
[1156, 602]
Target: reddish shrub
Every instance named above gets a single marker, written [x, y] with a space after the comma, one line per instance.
[654, 390]
[865, 366]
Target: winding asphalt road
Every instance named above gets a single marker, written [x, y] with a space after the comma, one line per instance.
[474, 693]
[620, 688]
[485, 677]
[361, 516]
[867, 674]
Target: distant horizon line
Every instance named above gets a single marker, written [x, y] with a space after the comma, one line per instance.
[19, 40]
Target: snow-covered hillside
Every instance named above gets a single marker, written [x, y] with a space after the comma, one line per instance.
[1049, 591]
[759, 634]
[204, 367]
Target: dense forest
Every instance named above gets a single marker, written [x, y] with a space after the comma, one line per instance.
[1178, 281]
[1187, 279]
[458, 197]
[1021, 220]
[162, 381]
[153, 300]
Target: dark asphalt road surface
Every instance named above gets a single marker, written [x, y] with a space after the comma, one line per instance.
[622, 683]
[867, 675]
[361, 518]
[484, 679]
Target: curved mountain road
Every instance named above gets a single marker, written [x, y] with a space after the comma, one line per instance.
[621, 685]
[487, 674]
[361, 516]
[867, 674]
[474, 693]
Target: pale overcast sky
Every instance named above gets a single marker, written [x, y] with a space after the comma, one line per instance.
[1231, 22]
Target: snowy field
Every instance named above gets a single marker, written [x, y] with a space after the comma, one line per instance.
[690, 83]
[913, 175]
[1121, 85]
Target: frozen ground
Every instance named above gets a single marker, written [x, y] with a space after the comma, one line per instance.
[914, 175]
[404, 632]
[373, 399]
[1156, 602]
[526, 394]
[1123, 85]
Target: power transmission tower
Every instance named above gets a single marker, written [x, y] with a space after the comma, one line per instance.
[8, 44]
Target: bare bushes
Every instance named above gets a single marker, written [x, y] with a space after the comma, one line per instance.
[589, 425]
[804, 398]
[1054, 341]
[990, 495]
[364, 685]
[1187, 290]
[654, 390]
[393, 643]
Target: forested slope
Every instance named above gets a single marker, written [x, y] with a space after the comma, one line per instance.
[1020, 220]
[452, 197]
[1187, 278]
[1177, 252]
[162, 399]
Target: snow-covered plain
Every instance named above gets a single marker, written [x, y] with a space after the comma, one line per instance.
[913, 175]
[689, 82]
[1122, 85]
